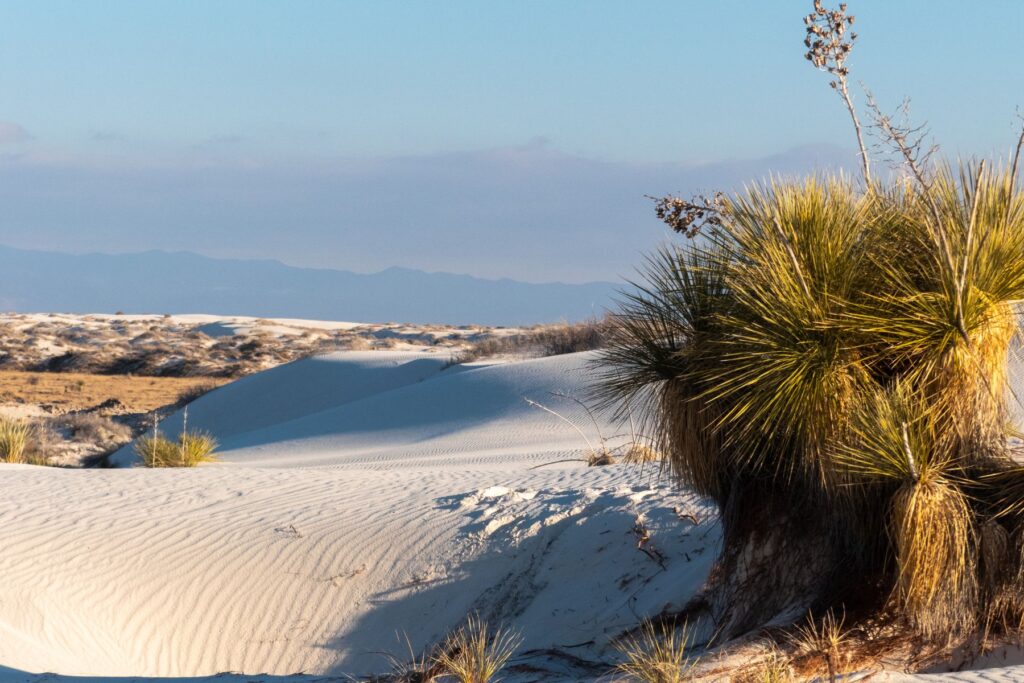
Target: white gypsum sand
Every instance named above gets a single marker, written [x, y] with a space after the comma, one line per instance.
[359, 495]
[362, 498]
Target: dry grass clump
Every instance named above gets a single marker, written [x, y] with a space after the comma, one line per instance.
[156, 450]
[823, 641]
[829, 363]
[94, 428]
[190, 449]
[639, 454]
[934, 540]
[15, 436]
[601, 451]
[656, 655]
[25, 442]
[774, 667]
[475, 654]
[422, 668]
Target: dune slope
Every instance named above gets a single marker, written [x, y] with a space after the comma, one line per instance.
[361, 499]
[360, 496]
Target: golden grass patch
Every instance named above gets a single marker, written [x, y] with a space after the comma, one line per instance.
[75, 391]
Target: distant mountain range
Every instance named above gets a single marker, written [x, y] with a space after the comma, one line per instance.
[183, 282]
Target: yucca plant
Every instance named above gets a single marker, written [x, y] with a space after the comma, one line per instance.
[828, 361]
[786, 369]
[658, 338]
[790, 361]
[895, 439]
[948, 322]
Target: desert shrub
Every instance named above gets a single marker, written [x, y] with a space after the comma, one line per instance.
[540, 341]
[94, 428]
[475, 654]
[656, 655]
[156, 450]
[823, 641]
[24, 441]
[355, 342]
[188, 450]
[15, 436]
[598, 452]
[42, 443]
[195, 391]
[829, 364]
[561, 339]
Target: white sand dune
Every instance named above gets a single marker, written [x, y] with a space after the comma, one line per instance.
[360, 495]
[388, 410]
[299, 389]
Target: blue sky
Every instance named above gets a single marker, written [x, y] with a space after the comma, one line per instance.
[489, 137]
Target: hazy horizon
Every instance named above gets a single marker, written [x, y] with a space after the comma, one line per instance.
[493, 139]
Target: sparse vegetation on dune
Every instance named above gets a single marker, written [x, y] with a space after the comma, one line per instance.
[773, 667]
[422, 668]
[475, 653]
[15, 436]
[656, 654]
[194, 392]
[93, 428]
[602, 450]
[540, 341]
[26, 441]
[174, 348]
[824, 642]
[828, 362]
[191, 448]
